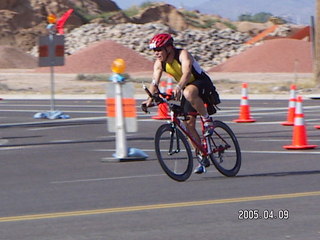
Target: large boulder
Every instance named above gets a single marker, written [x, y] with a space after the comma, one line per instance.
[252, 28]
[22, 21]
[163, 13]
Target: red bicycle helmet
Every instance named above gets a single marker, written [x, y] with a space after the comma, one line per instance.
[161, 40]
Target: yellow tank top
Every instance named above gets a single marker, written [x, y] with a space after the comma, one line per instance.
[174, 69]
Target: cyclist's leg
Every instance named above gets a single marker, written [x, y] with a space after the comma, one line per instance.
[191, 126]
[207, 93]
[192, 95]
[191, 120]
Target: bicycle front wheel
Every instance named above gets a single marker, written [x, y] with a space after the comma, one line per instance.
[173, 152]
[226, 153]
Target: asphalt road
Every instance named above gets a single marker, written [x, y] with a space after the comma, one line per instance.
[55, 183]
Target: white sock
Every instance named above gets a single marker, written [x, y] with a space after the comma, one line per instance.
[206, 117]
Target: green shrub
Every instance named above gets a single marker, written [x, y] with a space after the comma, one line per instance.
[132, 11]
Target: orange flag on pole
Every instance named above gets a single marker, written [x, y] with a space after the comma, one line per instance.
[62, 21]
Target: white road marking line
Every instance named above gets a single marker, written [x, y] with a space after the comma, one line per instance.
[112, 150]
[37, 110]
[3, 141]
[117, 178]
[281, 152]
[17, 147]
[242, 151]
[58, 105]
[282, 140]
[51, 128]
[109, 178]
[57, 121]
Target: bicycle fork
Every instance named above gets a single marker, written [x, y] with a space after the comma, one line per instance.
[174, 148]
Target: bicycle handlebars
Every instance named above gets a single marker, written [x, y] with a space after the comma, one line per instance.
[157, 97]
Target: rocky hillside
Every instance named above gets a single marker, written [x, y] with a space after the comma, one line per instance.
[22, 21]
[209, 47]
[211, 39]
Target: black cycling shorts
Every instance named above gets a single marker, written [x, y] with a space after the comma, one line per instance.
[205, 88]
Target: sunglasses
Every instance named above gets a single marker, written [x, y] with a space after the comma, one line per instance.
[158, 49]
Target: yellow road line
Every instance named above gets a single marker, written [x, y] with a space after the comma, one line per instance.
[156, 206]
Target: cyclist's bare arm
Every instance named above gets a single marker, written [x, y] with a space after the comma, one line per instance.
[157, 73]
[186, 66]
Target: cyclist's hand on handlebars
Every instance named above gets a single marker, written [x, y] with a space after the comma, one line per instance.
[177, 93]
[146, 104]
[144, 108]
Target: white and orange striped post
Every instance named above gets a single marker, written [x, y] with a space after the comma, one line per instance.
[299, 138]
[119, 110]
[291, 107]
[244, 116]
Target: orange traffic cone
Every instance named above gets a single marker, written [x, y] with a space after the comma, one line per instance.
[244, 116]
[163, 111]
[299, 139]
[169, 86]
[291, 107]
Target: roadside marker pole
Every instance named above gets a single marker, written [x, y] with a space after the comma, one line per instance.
[121, 141]
[121, 112]
[52, 76]
[51, 53]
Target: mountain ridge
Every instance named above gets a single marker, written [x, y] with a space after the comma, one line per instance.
[24, 20]
[298, 11]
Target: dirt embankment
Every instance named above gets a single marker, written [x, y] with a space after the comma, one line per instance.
[277, 55]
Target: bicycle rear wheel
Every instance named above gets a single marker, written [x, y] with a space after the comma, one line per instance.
[226, 153]
[173, 152]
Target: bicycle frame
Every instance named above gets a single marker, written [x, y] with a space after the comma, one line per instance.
[202, 147]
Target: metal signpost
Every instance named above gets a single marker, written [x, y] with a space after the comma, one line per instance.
[51, 53]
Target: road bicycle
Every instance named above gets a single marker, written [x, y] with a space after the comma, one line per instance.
[173, 149]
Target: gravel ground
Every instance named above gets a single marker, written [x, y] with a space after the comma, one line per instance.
[28, 83]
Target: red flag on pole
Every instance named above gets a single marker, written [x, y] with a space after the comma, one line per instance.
[62, 21]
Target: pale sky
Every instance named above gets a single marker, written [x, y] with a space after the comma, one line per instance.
[299, 11]
[124, 4]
